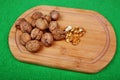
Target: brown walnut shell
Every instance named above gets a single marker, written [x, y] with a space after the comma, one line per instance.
[18, 22]
[33, 45]
[24, 38]
[36, 15]
[48, 18]
[47, 39]
[33, 23]
[53, 25]
[54, 15]
[41, 24]
[58, 34]
[25, 26]
[36, 34]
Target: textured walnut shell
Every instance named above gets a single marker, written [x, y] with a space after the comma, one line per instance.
[33, 23]
[47, 39]
[33, 46]
[58, 34]
[24, 38]
[48, 18]
[36, 34]
[36, 15]
[53, 25]
[41, 24]
[18, 22]
[25, 26]
[54, 15]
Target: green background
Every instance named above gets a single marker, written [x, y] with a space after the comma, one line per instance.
[12, 69]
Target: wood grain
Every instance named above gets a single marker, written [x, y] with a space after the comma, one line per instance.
[94, 52]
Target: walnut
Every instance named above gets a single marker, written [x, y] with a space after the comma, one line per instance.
[36, 34]
[36, 15]
[24, 38]
[53, 25]
[58, 34]
[48, 18]
[33, 45]
[41, 24]
[54, 15]
[33, 23]
[47, 39]
[25, 27]
[18, 22]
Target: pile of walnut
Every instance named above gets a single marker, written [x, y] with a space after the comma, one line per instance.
[42, 30]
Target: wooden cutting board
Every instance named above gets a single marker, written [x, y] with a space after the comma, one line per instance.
[93, 53]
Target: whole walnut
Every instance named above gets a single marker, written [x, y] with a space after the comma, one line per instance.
[24, 38]
[53, 25]
[47, 39]
[18, 22]
[36, 15]
[25, 27]
[54, 15]
[48, 18]
[33, 23]
[42, 24]
[33, 45]
[58, 34]
[36, 34]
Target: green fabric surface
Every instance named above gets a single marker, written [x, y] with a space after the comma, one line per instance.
[12, 69]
